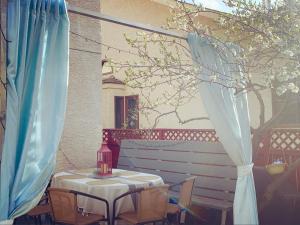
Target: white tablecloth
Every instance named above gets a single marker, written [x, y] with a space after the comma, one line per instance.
[108, 188]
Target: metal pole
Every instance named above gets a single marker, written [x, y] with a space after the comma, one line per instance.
[100, 16]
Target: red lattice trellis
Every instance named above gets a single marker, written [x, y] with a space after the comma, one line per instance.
[276, 144]
[275, 141]
[116, 135]
[285, 139]
[283, 144]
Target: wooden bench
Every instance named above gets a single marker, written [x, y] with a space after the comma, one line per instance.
[176, 160]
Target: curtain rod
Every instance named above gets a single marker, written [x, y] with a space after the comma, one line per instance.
[100, 16]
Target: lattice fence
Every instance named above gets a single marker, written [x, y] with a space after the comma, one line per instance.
[276, 139]
[116, 135]
[281, 144]
[285, 139]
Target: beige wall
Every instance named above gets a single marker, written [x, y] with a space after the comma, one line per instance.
[108, 109]
[153, 13]
[82, 131]
[146, 12]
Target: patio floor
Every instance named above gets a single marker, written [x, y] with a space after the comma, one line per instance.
[46, 221]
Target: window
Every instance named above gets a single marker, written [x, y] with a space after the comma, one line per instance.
[126, 112]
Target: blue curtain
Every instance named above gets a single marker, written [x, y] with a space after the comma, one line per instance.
[37, 75]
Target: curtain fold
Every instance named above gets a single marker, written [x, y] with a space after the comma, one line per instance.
[37, 80]
[229, 114]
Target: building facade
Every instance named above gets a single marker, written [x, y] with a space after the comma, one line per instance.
[82, 131]
[155, 13]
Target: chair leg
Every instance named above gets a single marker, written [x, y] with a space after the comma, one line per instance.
[178, 218]
[223, 218]
[35, 220]
[165, 221]
[49, 218]
[53, 221]
[172, 219]
[28, 219]
[40, 220]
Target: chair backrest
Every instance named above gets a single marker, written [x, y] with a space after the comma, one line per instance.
[152, 203]
[175, 161]
[64, 205]
[186, 190]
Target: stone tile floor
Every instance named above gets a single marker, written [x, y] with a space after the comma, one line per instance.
[46, 221]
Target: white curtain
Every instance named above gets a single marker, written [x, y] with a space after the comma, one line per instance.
[229, 114]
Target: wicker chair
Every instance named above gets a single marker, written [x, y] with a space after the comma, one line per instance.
[185, 197]
[65, 209]
[151, 206]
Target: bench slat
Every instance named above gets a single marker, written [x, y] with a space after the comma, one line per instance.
[207, 202]
[212, 203]
[176, 160]
[197, 146]
[196, 169]
[185, 156]
[201, 181]
[214, 194]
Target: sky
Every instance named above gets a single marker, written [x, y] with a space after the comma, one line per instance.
[214, 4]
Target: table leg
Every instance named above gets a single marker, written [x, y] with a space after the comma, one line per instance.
[223, 218]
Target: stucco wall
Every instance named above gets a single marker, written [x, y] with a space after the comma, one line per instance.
[153, 13]
[82, 131]
[109, 91]
[145, 12]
